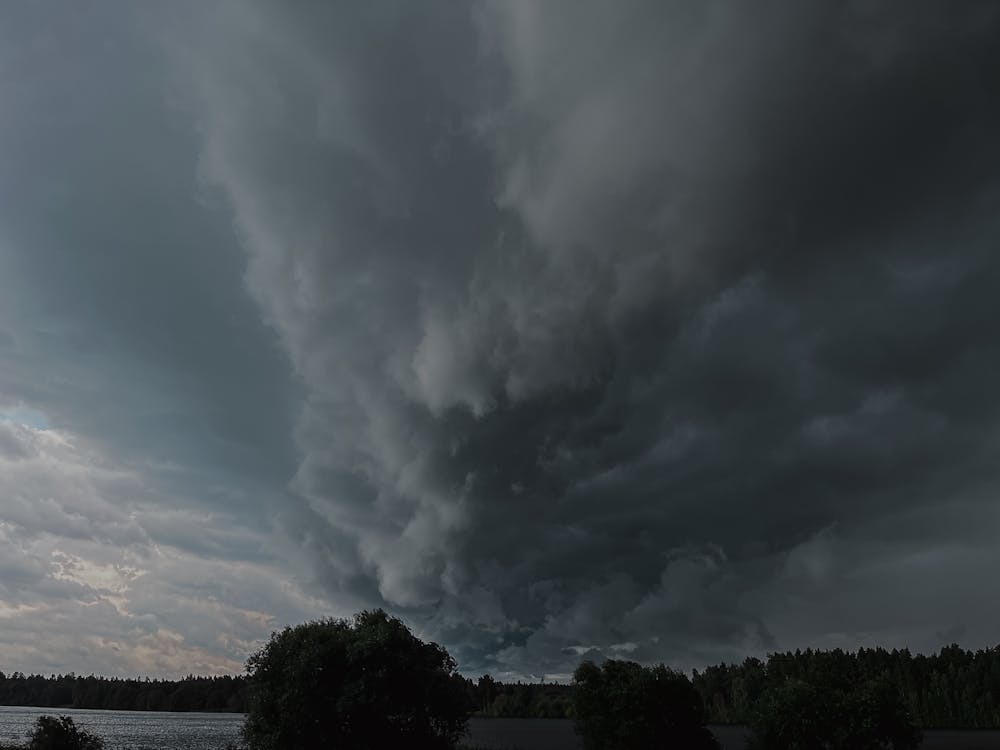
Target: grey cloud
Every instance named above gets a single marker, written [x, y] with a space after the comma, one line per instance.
[569, 296]
[121, 293]
[639, 328]
[12, 445]
[92, 567]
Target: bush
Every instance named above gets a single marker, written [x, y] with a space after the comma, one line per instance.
[624, 705]
[52, 733]
[801, 716]
[361, 683]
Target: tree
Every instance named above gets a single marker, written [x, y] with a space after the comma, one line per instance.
[51, 733]
[624, 706]
[798, 715]
[361, 683]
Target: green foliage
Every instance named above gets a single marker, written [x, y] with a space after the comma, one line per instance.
[792, 717]
[224, 693]
[953, 688]
[361, 683]
[800, 716]
[60, 733]
[520, 700]
[624, 706]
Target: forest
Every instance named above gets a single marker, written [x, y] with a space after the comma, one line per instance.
[224, 693]
[953, 688]
[519, 700]
[486, 697]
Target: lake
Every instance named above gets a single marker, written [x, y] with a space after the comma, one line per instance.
[162, 730]
[138, 730]
[557, 734]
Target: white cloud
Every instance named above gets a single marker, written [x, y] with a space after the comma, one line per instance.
[87, 585]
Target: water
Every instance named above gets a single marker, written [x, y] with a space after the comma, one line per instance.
[558, 734]
[132, 730]
[162, 730]
[523, 734]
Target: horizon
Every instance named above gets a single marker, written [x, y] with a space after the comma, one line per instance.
[565, 679]
[699, 676]
[639, 330]
[559, 679]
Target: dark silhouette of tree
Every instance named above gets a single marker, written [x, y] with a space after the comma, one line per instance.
[521, 700]
[360, 683]
[52, 733]
[798, 715]
[486, 692]
[624, 706]
[954, 688]
[224, 693]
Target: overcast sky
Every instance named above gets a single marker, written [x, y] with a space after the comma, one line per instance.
[658, 330]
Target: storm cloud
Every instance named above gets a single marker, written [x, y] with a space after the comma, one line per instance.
[640, 328]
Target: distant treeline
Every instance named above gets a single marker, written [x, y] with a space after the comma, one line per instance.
[486, 696]
[73, 691]
[519, 700]
[954, 688]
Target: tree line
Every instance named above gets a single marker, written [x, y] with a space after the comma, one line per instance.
[519, 700]
[367, 681]
[954, 688]
[485, 697]
[225, 693]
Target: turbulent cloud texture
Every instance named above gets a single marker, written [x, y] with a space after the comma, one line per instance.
[642, 327]
[99, 575]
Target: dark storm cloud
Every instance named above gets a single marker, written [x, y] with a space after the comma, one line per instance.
[124, 292]
[645, 328]
[625, 327]
[139, 391]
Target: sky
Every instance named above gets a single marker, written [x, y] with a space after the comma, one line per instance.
[568, 329]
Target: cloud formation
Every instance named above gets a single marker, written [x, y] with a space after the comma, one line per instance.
[634, 328]
[90, 564]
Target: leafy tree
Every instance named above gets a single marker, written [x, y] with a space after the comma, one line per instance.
[361, 683]
[798, 715]
[954, 688]
[52, 733]
[794, 716]
[624, 706]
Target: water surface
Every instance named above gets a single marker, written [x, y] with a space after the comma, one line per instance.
[134, 730]
[557, 734]
[163, 730]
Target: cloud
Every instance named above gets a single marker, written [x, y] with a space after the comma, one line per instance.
[566, 297]
[92, 580]
[633, 328]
